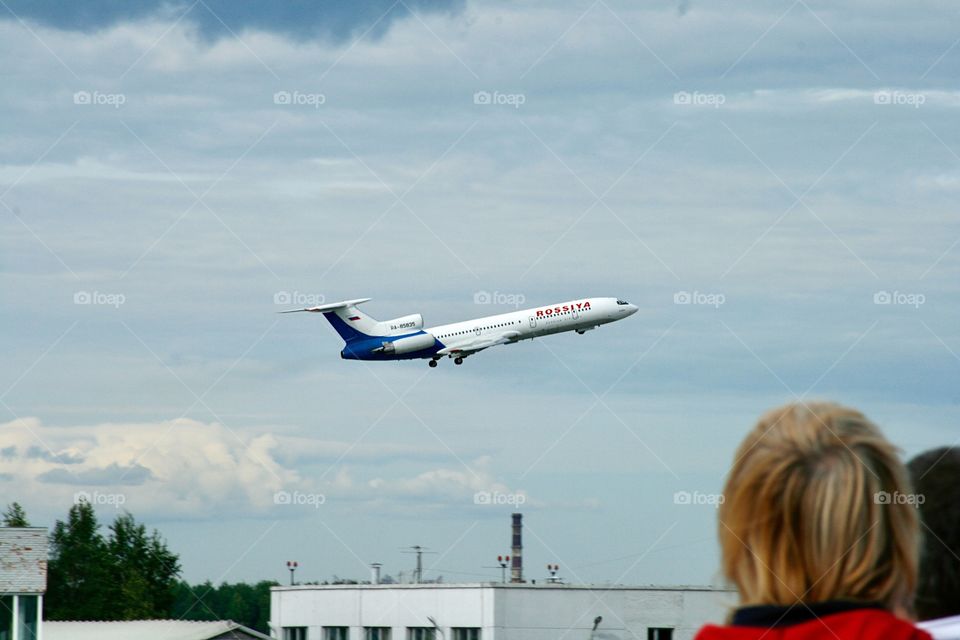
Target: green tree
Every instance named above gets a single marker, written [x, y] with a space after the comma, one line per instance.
[241, 602]
[127, 576]
[79, 573]
[196, 602]
[145, 570]
[240, 606]
[15, 516]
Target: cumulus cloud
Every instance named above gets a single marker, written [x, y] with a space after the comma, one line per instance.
[192, 469]
[111, 475]
[456, 483]
[178, 467]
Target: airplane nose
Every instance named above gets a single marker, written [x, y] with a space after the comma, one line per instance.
[632, 309]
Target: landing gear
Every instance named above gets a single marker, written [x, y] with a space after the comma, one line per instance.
[458, 360]
[432, 363]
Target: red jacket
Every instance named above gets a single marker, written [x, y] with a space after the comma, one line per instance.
[776, 623]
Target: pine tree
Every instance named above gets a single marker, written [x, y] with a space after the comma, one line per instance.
[129, 575]
[79, 574]
[145, 569]
[15, 516]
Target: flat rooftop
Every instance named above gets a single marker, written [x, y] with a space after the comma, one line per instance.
[502, 585]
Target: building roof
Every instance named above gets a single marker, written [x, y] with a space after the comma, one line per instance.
[23, 559]
[149, 630]
[502, 585]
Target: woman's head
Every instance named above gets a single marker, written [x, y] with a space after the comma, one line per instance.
[815, 509]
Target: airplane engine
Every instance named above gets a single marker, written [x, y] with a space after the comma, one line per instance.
[407, 345]
[402, 325]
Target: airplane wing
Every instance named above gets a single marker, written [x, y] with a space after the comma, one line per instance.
[479, 344]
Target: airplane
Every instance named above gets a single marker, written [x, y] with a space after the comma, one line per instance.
[405, 338]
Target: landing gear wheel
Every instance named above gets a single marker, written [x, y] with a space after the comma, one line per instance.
[433, 363]
[458, 360]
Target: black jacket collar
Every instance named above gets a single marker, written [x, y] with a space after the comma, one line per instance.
[773, 616]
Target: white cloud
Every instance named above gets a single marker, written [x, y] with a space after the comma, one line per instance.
[186, 468]
[174, 468]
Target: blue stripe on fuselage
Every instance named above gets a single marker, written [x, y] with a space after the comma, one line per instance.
[363, 349]
[360, 346]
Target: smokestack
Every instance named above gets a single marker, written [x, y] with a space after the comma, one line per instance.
[375, 573]
[516, 570]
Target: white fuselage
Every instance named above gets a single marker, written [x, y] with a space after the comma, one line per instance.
[576, 315]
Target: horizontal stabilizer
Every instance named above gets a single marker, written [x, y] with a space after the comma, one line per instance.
[322, 308]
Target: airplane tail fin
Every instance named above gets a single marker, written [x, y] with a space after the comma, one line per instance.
[346, 319]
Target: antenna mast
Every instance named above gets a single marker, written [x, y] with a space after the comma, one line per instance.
[418, 572]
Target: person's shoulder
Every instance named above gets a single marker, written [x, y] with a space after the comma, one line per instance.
[731, 632]
[874, 623]
[862, 624]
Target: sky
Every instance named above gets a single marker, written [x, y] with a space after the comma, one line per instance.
[773, 184]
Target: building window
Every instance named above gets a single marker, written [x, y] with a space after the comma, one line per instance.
[294, 633]
[27, 609]
[376, 633]
[659, 633]
[421, 633]
[6, 617]
[27, 618]
[466, 633]
[335, 633]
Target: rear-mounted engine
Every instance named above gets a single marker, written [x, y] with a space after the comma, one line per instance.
[407, 345]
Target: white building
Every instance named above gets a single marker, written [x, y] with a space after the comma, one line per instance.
[23, 580]
[150, 630]
[493, 611]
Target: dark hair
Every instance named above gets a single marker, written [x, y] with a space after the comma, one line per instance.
[936, 477]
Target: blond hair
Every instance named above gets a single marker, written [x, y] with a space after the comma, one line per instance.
[812, 512]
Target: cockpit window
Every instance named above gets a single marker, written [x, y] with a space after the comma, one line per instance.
[622, 302]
